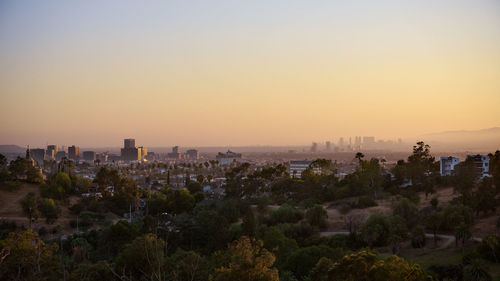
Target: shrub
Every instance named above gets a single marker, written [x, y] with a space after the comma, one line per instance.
[317, 216]
[365, 202]
[418, 237]
[262, 204]
[412, 195]
[285, 214]
[377, 230]
[48, 209]
[344, 209]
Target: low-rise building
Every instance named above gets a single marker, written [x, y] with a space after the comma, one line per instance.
[228, 158]
[296, 167]
[192, 154]
[89, 156]
[447, 165]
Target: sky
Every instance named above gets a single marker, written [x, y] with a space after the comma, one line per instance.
[206, 73]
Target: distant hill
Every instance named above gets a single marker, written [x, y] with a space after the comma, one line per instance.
[11, 148]
[473, 140]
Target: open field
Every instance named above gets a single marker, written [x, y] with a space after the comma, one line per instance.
[11, 210]
[336, 221]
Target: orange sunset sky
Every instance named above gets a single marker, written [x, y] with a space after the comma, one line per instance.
[245, 72]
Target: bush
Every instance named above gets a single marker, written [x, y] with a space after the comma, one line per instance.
[446, 272]
[365, 202]
[407, 210]
[418, 237]
[309, 203]
[302, 260]
[285, 214]
[317, 216]
[42, 231]
[56, 229]
[262, 204]
[48, 209]
[412, 195]
[6, 227]
[344, 209]
[377, 230]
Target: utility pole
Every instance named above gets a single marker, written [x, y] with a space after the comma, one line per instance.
[130, 213]
[62, 258]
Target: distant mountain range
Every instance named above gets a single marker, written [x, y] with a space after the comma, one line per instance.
[472, 140]
[11, 148]
[491, 131]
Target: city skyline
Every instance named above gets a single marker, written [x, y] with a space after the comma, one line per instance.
[259, 73]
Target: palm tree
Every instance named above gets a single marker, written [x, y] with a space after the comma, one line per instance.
[359, 156]
[493, 242]
[476, 271]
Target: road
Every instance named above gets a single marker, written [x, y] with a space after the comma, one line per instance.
[448, 239]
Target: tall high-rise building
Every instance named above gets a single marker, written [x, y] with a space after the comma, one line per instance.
[51, 151]
[129, 152]
[129, 143]
[328, 146]
[144, 152]
[368, 140]
[175, 154]
[314, 147]
[192, 154]
[89, 156]
[73, 152]
[38, 154]
[60, 155]
[341, 142]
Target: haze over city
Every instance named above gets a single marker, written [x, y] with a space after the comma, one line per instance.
[215, 73]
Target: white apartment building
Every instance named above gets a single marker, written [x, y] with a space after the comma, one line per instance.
[447, 165]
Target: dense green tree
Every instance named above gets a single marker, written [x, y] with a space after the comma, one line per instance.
[420, 163]
[317, 216]
[276, 242]
[249, 224]
[49, 209]
[458, 218]
[142, 259]
[26, 257]
[62, 179]
[114, 237]
[377, 230]
[187, 266]
[484, 199]
[406, 210]
[194, 187]
[464, 179]
[320, 270]
[285, 214]
[92, 272]
[249, 261]
[302, 260]
[180, 201]
[365, 266]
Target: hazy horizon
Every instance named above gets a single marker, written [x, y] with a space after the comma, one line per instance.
[218, 73]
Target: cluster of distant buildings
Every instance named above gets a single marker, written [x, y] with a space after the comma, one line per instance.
[129, 153]
[359, 143]
[481, 163]
[190, 154]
